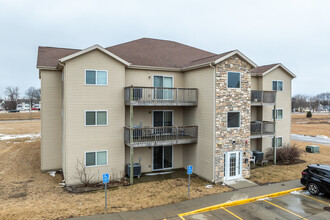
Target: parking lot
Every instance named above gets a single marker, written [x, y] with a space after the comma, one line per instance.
[295, 205]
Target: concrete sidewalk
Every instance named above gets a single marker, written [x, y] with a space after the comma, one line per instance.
[171, 211]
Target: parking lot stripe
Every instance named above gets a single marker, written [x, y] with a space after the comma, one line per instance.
[232, 213]
[238, 202]
[285, 210]
[316, 199]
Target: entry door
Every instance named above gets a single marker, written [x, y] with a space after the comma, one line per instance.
[162, 158]
[233, 165]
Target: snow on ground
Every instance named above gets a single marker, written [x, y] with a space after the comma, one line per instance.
[4, 137]
[320, 139]
[52, 173]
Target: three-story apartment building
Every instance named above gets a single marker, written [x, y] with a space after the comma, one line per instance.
[159, 103]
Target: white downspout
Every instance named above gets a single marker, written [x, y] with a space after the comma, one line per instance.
[213, 133]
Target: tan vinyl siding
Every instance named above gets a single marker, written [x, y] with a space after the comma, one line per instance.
[51, 121]
[283, 101]
[145, 77]
[201, 154]
[79, 98]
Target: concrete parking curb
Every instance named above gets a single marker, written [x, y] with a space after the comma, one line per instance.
[238, 202]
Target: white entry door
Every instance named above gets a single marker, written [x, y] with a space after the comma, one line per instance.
[233, 165]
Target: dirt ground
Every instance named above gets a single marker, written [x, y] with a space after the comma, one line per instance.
[26, 193]
[19, 115]
[316, 125]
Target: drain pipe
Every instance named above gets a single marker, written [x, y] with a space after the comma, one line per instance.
[213, 133]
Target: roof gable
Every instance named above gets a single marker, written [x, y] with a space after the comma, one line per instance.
[265, 69]
[95, 47]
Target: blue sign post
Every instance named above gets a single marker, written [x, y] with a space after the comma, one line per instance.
[189, 171]
[105, 181]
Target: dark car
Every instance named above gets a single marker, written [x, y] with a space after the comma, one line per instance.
[13, 111]
[316, 178]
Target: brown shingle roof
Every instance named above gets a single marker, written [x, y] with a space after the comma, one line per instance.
[262, 69]
[49, 56]
[159, 53]
[142, 52]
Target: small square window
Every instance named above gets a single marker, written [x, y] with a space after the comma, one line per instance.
[97, 158]
[233, 119]
[234, 80]
[279, 142]
[279, 114]
[96, 77]
[277, 85]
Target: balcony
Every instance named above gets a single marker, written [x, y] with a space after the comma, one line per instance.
[155, 96]
[159, 136]
[259, 98]
[261, 129]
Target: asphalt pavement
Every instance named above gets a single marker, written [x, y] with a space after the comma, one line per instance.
[254, 205]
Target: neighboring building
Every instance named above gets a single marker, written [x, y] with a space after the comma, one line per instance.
[164, 104]
[22, 106]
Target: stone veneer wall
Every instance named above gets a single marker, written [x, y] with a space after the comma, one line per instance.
[232, 100]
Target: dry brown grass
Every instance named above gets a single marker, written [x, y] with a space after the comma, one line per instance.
[279, 173]
[317, 125]
[26, 193]
[20, 116]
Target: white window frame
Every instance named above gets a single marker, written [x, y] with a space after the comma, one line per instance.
[96, 118]
[277, 85]
[96, 158]
[169, 168]
[96, 78]
[239, 120]
[277, 114]
[276, 141]
[240, 80]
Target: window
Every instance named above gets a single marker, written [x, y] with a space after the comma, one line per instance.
[97, 158]
[279, 114]
[277, 85]
[234, 80]
[233, 119]
[279, 142]
[96, 77]
[96, 118]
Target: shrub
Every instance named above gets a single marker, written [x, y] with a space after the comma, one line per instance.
[288, 154]
[309, 114]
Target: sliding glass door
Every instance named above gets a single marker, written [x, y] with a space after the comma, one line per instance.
[163, 119]
[161, 82]
[162, 158]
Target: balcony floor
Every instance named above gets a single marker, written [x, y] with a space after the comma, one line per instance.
[252, 136]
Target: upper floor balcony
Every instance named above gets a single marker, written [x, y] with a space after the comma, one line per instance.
[261, 129]
[259, 98]
[160, 136]
[156, 96]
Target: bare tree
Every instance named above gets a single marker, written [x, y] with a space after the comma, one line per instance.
[83, 174]
[12, 94]
[37, 95]
[30, 93]
[300, 102]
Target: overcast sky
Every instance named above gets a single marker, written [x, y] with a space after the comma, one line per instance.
[295, 33]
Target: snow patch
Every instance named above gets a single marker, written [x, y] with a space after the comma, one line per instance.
[321, 136]
[52, 173]
[17, 136]
[209, 186]
[296, 192]
[266, 198]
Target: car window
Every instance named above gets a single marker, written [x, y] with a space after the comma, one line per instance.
[327, 174]
[317, 172]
